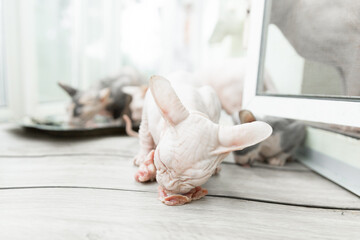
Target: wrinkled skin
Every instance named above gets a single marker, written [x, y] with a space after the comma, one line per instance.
[181, 144]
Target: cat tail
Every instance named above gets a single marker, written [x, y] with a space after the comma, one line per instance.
[128, 127]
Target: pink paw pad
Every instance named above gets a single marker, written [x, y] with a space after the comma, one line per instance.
[178, 199]
[147, 170]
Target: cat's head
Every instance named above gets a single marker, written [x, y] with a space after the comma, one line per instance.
[86, 104]
[191, 145]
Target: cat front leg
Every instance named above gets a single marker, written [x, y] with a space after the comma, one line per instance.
[145, 158]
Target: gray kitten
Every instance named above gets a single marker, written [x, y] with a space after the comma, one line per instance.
[106, 97]
[287, 136]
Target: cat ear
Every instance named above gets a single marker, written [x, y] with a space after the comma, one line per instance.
[246, 116]
[168, 102]
[104, 94]
[69, 90]
[232, 138]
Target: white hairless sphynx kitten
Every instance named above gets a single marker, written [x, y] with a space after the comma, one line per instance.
[181, 143]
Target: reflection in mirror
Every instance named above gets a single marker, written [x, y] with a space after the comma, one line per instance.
[311, 48]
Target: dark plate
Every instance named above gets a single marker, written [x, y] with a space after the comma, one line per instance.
[53, 126]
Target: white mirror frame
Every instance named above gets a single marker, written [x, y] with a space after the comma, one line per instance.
[337, 111]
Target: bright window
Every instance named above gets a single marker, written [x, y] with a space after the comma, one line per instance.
[54, 34]
[79, 42]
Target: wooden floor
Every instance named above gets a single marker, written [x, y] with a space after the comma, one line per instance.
[65, 188]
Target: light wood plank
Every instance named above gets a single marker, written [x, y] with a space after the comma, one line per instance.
[17, 143]
[293, 187]
[101, 214]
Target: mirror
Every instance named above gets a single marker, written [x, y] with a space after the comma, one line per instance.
[311, 49]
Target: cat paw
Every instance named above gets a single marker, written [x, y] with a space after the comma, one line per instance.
[276, 161]
[147, 169]
[181, 199]
[242, 160]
